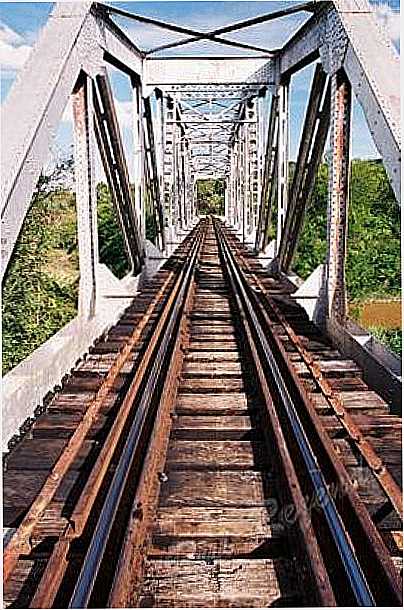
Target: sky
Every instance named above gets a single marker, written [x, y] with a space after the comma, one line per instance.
[21, 22]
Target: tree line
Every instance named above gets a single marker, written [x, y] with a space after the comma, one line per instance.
[41, 287]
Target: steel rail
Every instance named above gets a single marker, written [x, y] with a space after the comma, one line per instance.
[126, 579]
[20, 541]
[57, 564]
[346, 551]
[372, 460]
[95, 553]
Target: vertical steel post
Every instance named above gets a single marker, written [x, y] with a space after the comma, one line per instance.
[226, 198]
[138, 149]
[245, 180]
[86, 196]
[282, 159]
[338, 196]
[232, 201]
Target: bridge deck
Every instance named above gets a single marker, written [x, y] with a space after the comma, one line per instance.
[216, 528]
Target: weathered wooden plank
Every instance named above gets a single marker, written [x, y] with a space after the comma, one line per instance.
[209, 308]
[22, 583]
[213, 316]
[216, 521]
[201, 422]
[331, 368]
[35, 454]
[214, 330]
[221, 357]
[223, 546]
[211, 369]
[193, 488]
[364, 401]
[53, 523]
[19, 491]
[61, 425]
[218, 582]
[220, 455]
[211, 404]
[213, 337]
[342, 384]
[204, 344]
[211, 322]
[201, 385]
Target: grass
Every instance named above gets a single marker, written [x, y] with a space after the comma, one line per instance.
[392, 338]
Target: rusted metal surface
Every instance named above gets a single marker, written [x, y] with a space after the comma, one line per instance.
[219, 457]
[338, 196]
[20, 541]
[362, 523]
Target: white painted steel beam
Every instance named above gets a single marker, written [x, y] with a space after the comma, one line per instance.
[86, 196]
[205, 70]
[373, 67]
[32, 111]
[73, 39]
[282, 160]
[303, 47]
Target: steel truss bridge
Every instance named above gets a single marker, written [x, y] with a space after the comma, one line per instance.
[164, 341]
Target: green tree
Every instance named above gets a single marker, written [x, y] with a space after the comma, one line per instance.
[373, 258]
[210, 196]
[110, 240]
[41, 286]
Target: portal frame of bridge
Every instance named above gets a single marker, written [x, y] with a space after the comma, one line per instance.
[76, 45]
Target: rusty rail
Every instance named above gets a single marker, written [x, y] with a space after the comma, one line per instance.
[138, 396]
[351, 529]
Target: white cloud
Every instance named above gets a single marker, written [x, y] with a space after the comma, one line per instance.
[390, 20]
[14, 50]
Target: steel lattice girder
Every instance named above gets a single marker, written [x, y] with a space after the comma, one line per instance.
[81, 36]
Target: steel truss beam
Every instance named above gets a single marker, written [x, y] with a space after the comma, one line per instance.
[307, 6]
[152, 174]
[86, 195]
[338, 197]
[213, 36]
[268, 179]
[74, 39]
[314, 135]
[230, 70]
[116, 170]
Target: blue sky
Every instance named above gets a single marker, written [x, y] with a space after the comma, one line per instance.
[20, 23]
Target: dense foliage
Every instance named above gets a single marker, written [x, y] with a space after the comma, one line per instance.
[110, 241]
[373, 257]
[391, 337]
[210, 196]
[41, 287]
[373, 261]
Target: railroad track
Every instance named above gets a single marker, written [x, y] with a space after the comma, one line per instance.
[212, 455]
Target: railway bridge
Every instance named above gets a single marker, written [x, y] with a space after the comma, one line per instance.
[210, 430]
